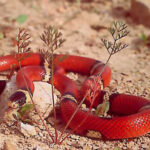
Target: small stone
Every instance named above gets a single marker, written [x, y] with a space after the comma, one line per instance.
[144, 146]
[6, 132]
[27, 130]
[130, 144]
[87, 147]
[9, 146]
[83, 106]
[38, 148]
[43, 98]
[61, 9]
[37, 129]
[8, 91]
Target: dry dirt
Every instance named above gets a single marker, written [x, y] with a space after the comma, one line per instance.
[82, 25]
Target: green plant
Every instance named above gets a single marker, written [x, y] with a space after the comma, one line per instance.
[145, 39]
[78, 2]
[23, 113]
[21, 18]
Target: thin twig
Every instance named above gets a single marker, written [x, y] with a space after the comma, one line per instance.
[69, 121]
[52, 39]
[34, 103]
[82, 122]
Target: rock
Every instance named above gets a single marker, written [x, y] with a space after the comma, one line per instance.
[27, 129]
[9, 146]
[38, 148]
[10, 88]
[43, 98]
[8, 91]
[140, 11]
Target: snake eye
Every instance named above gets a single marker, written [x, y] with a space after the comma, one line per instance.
[17, 99]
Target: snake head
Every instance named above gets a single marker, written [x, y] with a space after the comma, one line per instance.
[17, 100]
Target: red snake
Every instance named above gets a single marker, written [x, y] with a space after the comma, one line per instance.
[134, 110]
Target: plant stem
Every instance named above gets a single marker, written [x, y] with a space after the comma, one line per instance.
[72, 131]
[68, 123]
[52, 81]
[34, 103]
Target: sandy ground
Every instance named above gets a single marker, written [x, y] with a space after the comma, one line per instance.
[77, 22]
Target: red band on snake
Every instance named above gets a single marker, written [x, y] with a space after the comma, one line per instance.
[135, 119]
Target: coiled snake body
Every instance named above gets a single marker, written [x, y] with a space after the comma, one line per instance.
[135, 112]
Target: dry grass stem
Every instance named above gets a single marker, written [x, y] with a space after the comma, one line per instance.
[53, 40]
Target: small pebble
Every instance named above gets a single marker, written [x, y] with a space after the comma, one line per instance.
[27, 130]
[9, 146]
